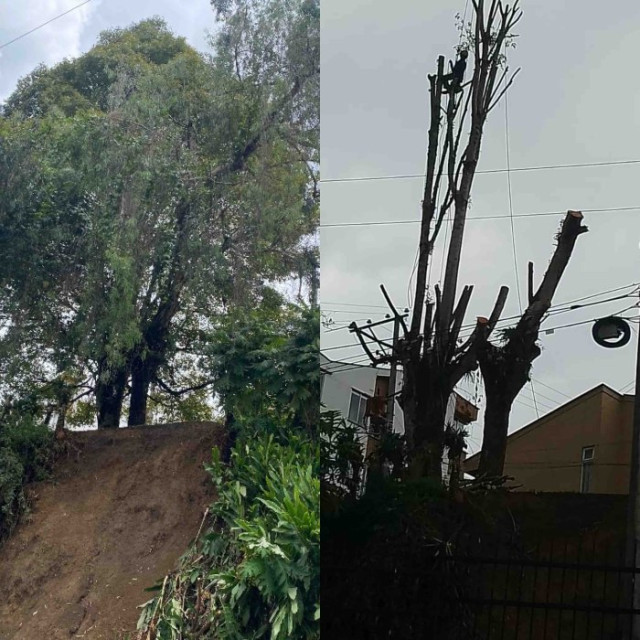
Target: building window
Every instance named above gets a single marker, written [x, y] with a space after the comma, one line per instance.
[586, 477]
[357, 407]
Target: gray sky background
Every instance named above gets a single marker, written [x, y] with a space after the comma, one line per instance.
[77, 32]
[576, 100]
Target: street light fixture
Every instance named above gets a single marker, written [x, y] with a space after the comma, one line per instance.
[611, 332]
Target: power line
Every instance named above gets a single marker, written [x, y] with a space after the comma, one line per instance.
[513, 230]
[345, 346]
[352, 304]
[503, 217]
[44, 24]
[575, 324]
[593, 295]
[349, 311]
[413, 176]
[557, 311]
[557, 402]
[547, 329]
[552, 309]
[588, 304]
[563, 326]
[345, 366]
[553, 389]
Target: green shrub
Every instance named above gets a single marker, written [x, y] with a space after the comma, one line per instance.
[12, 500]
[32, 442]
[255, 574]
[26, 454]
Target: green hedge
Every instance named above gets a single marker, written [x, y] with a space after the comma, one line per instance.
[26, 454]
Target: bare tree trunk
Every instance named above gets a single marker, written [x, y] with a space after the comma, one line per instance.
[429, 435]
[61, 420]
[152, 350]
[494, 443]
[505, 368]
[140, 382]
[144, 368]
[110, 389]
[502, 385]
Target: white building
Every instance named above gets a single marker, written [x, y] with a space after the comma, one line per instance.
[346, 387]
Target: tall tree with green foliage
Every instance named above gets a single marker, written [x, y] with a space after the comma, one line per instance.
[176, 185]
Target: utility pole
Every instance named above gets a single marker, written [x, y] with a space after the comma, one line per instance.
[398, 321]
[391, 403]
[633, 517]
[387, 352]
[610, 332]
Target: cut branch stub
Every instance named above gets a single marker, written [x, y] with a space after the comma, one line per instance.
[571, 228]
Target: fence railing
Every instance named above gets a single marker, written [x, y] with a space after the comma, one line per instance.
[578, 588]
[572, 589]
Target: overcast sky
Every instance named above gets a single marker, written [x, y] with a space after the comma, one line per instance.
[77, 31]
[576, 100]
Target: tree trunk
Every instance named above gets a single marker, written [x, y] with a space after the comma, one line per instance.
[144, 368]
[62, 417]
[494, 441]
[424, 415]
[155, 338]
[232, 436]
[506, 368]
[426, 460]
[109, 396]
[141, 376]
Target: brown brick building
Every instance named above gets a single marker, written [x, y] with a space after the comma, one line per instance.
[583, 446]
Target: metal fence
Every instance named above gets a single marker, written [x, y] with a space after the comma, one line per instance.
[578, 588]
[573, 589]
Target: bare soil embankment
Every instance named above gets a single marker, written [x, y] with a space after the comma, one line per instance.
[120, 510]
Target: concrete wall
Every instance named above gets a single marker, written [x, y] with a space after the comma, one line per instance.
[547, 455]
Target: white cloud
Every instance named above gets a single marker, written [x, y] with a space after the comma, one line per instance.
[77, 31]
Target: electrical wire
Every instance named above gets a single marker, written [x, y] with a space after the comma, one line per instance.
[413, 176]
[566, 395]
[509, 192]
[351, 304]
[560, 307]
[44, 24]
[503, 217]
[574, 324]
[513, 231]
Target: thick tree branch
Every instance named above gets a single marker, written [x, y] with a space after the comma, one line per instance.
[458, 317]
[427, 202]
[179, 392]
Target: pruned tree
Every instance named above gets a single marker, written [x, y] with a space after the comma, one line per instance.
[432, 359]
[506, 367]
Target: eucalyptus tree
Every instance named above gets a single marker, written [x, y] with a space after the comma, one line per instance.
[177, 184]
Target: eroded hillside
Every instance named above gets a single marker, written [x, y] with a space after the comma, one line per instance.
[122, 507]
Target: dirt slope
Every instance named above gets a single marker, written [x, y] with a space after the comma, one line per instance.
[120, 512]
